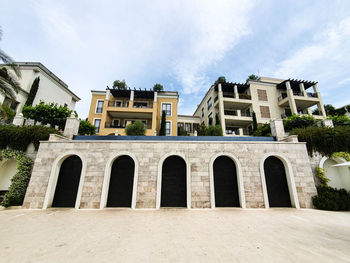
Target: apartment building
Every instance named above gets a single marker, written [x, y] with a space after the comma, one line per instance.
[233, 104]
[112, 110]
[51, 88]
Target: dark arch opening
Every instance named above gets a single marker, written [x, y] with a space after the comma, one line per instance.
[174, 186]
[276, 182]
[121, 182]
[225, 182]
[68, 182]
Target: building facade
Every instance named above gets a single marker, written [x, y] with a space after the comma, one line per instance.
[112, 110]
[233, 104]
[51, 88]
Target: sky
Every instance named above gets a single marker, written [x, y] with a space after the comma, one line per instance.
[185, 45]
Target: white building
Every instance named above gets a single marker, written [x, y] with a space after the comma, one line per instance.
[51, 88]
[269, 98]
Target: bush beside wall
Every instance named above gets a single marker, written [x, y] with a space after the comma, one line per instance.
[333, 199]
[20, 180]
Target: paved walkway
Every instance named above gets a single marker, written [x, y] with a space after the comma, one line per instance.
[172, 235]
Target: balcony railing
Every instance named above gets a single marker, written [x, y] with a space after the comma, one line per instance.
[245, 97]
[229, 95]
[114, 103]
[282, 96]
[311, 95]
[230, 112]
[113, 125]
[141, 105]
[246, 114]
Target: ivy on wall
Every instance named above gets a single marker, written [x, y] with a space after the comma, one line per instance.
[20, 180]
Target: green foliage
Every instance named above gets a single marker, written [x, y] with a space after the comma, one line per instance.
[138, 128]
[296, 121]
[213, 130]
[221, 79]
[201, 129]
[157, 87]
[33, 91]
[181, 131]
[329, 198]
[252, 77]
[8, 83]
[217, 119]
[255, 123]
[162, 124]
[330, 110]
[322, 178]
[18, 138]
[20, 180]
[120, 84]
[7, 114]
[324, 140]
[263, 130]
[344, 155]
[86, 128]
[47, 114]
[339, 120]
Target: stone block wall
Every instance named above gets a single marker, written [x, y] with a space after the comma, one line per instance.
[148, 154]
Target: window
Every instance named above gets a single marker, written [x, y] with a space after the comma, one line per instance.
[11, 103]
[180, 124]
[195, 127]
[118, 103]
[262, 95]
[97, 123]
[188, 127]
[167, 108]
[168, 128]
[209, 103]
[265, 111]
[115, 123]
[202, 112]
[99, 106]
[210, 119]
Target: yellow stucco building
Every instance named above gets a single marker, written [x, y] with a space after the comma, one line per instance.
[112, 110]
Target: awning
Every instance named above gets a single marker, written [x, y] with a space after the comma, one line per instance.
[347, 164]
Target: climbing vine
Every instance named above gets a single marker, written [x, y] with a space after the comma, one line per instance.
[321, 175]
[20, 180]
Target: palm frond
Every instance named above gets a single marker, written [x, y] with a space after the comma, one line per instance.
[7, 89]
[6, 59]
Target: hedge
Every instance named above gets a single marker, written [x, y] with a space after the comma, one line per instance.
[18, 138]
[324, 140]
[333, 199]
[20, 180]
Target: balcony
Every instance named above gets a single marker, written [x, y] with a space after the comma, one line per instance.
[230, 112]
[301, 100]
[238, 100]
[115, 103]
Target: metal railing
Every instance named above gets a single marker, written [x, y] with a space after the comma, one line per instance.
[230, 112]
[311, 95]
[120, 104]
[245, 97]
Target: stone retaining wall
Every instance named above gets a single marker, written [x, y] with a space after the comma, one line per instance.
[198, 155]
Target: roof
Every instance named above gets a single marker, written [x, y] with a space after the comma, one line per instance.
[48, 72]
[294, 84]
[229, 86]
[139, 93]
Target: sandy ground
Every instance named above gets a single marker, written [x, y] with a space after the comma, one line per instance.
[174, 235]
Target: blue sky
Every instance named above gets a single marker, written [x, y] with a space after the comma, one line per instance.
[184, 45]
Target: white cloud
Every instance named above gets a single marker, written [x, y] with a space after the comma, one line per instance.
[326, 57]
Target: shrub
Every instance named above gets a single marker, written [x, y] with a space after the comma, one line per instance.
[213, 131]
[86, 128]
[324, 140]
[339, 120]
[333, 199]
[120, 84]
[263, 130]
[157, 87]
[20, 180]
[181, 131]
[201, 129]
[138, 128]
[344, 155]
[18, 138]
[296, 121]
[322, 178]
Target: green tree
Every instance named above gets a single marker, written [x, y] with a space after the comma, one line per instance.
[255, 123]
[330, 110]
[33, 91]
[217, 119]
[297, 121]
[252, 77]
[120, 84]
[263, 130]
[162, 124]
[157, 87]
[220, 79]
[340, 120]
[8, 83]
[47, 114]
[138, 128]
[86, 128]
